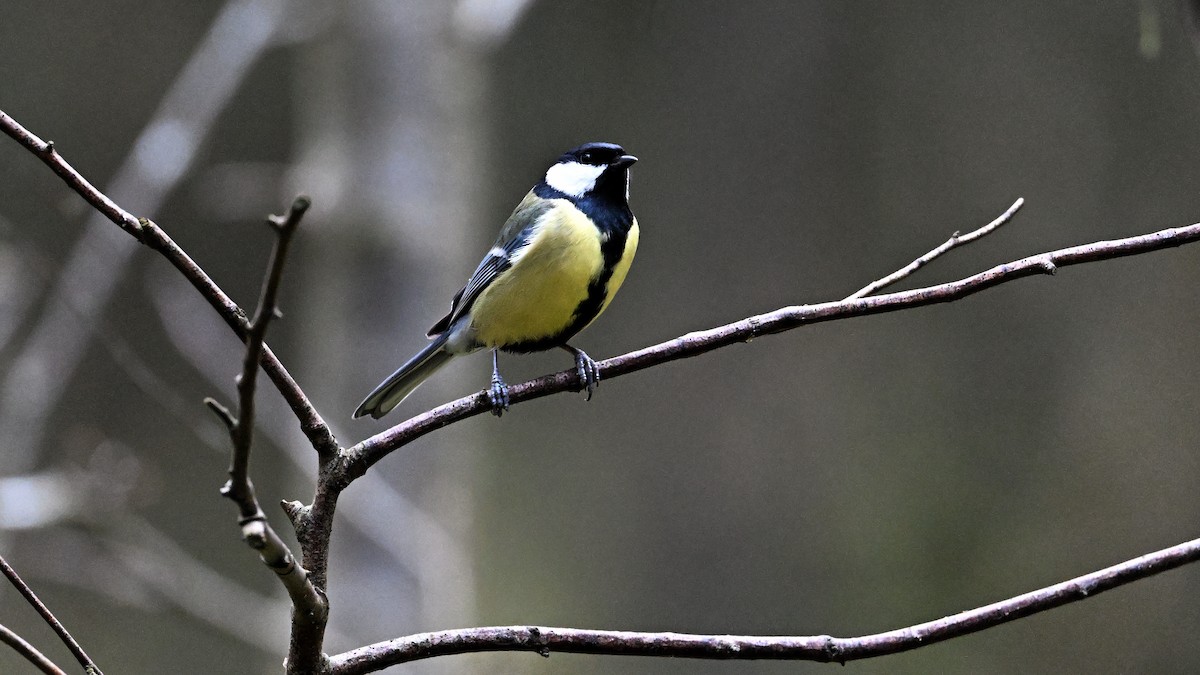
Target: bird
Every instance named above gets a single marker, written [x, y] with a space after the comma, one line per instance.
[555, 266]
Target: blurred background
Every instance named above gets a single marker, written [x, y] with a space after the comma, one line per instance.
[845, 478]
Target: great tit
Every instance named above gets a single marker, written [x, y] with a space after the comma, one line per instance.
[555, 266]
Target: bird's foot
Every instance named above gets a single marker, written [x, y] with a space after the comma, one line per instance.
[498, 395]
[588, 371]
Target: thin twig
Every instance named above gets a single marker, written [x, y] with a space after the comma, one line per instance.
[311, 609]
[239, 488]
[28, 651]
[150, 234]
[49, 618]
[359, 457]
[823, 648]
[953, 242]
[187, 328]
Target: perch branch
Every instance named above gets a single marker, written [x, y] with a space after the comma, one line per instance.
[953, 242]
[360, 457]
[823, 648]
[310, 609]
[29, 652]
[84, 660]
[150, 234]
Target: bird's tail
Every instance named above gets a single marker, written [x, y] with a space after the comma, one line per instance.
[406, 379]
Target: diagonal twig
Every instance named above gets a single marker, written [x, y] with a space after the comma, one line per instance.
[150, 234]
[953, 242]
[29, 652]
[239, 488]
[49, 618]
[421, 547]
[308, 601]
[823, 648]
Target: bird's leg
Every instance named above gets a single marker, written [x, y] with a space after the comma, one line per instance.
[498, 392]
[586, 368]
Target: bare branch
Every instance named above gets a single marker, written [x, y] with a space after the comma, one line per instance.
[953, 242]
[75, 181]
[823, 648]
[422, 549]
[49, 618]
[150, 234]
[239, 488]
[361, 456]
[29, 652]
[310, 607]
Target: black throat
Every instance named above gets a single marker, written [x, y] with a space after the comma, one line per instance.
[605, 204]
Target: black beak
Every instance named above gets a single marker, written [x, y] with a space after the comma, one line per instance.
[624, 161]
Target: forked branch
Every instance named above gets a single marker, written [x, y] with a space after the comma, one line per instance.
[338, 468]
[310, 608]
[60, 630]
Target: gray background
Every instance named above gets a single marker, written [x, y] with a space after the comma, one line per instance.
[845, 478]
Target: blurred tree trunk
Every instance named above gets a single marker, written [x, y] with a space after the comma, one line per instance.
[389, 141]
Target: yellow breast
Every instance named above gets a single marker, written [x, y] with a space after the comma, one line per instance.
[536, 298]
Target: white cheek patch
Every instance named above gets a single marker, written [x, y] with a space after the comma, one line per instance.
[572, 178]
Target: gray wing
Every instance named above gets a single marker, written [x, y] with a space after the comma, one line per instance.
[513, 237]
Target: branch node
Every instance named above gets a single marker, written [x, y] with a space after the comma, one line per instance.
[254, 532]
[222, 413]
[284, 566]
[1048, 266]
[300, 204]
[49, 149]
[832, 650]
[538, 640]
[297, 513]
[141, 228]
[292, 508]
[289, 220]
[753, 322]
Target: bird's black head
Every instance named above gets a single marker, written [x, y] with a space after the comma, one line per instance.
[598, 154]
[592, 170]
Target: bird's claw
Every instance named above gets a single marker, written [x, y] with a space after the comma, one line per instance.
[498, 396]
[588, 371]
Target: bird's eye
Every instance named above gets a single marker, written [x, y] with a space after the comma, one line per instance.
[587, 157]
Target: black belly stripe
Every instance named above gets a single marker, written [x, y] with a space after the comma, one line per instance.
[612, 216]
[611, 250]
